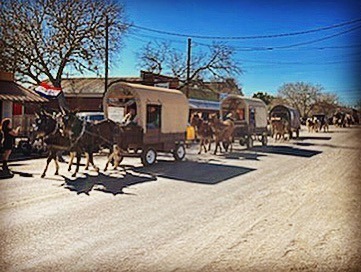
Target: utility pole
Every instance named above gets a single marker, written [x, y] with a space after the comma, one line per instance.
[106, 56]
[188, 65]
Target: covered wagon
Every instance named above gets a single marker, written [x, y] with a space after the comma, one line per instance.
[249, 116]
[288, 114]
[160, 120]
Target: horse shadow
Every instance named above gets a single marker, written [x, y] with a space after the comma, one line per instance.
[113, 183]
[195, 172]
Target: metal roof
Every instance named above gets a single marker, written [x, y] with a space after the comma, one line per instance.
[198, 104]
[11, 91]
[90, 86]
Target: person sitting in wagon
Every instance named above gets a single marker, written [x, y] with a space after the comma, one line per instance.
[131, 117]
[153, 116]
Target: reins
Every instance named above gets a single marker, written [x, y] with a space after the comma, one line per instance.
[86, 131]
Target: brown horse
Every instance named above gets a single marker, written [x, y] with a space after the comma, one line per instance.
[223, 132]
[279, 128]
[204, 132]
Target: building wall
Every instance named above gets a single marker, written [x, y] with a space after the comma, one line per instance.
[7, 109]
[85, 104]
[151, 79]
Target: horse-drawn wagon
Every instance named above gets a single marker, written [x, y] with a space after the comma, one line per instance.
[289, 115]
[249, 116]
[159, 123]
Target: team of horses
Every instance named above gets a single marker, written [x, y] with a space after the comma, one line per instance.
[213, 130]
[67, 132]
[315, 124]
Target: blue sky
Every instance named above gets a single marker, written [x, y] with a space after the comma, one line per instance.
[333, 63]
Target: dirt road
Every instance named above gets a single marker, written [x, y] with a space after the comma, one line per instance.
[286, 207]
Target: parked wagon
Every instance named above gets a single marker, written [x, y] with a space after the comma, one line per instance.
[288, 114]
[160, 124]
[249, 116]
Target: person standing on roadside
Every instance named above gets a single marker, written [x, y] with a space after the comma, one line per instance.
[8, 143]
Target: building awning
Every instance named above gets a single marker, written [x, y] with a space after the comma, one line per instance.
[10, 91]
[197, 104]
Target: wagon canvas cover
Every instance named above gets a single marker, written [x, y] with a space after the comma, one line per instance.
[175, 108]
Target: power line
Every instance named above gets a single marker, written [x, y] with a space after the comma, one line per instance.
[155, 38]
[137, 36]
[269, 48]
[321, 39]
[264, 48]
[298, 63]
[248, 37]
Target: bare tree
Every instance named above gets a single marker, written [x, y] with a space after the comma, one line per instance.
[40, 38]
[327, 103]
[218, 63]
[300, 95]
[153, 56]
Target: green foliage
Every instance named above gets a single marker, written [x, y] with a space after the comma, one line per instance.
[265, 97]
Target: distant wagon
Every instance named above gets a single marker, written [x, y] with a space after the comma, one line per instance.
[249, 116]
[288, 114]
[160, 124]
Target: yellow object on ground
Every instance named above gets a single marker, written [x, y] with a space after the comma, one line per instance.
[190, 133]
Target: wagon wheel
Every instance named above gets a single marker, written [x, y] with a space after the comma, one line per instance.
[179, 152]
[249, 141]
[148, 156]
[25, 147]
[242, 141]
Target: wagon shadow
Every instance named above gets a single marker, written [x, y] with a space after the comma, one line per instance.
[195, 172]
[106, 183]
[334, 131]
[239, 155]
[286, 150]
[303, 138]
[324, 145]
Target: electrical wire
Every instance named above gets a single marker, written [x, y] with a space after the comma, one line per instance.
[269, 48]
[248, 37]
[262, 48]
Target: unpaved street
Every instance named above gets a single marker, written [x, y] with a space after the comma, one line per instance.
[286, 207]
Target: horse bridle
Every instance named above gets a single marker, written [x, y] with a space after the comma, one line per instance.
[56, 127]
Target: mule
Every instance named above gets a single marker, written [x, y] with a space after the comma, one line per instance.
[204, 133]
[279, 129]
[90, 137]
[223, 133]
[50, 128]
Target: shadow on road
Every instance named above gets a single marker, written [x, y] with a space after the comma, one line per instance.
[325, 145]
[189, 171]
[286, 150]
[106, 183]
[239, 155]
[196, 172]
[303, 138]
